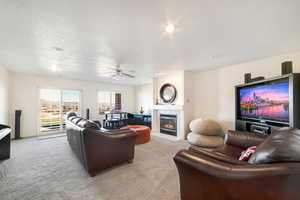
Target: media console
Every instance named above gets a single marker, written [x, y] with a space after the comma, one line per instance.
[267, 105]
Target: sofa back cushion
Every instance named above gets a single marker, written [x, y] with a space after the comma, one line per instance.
[84, 123]
[75, 120]
[280, 146]
[243, 139]
[71, 114]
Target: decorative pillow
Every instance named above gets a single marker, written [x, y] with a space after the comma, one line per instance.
[280, 146]
[206, 127]
[245, 155]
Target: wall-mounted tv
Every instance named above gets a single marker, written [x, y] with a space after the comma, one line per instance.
[266, 101]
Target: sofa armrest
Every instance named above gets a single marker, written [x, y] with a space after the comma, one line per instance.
[214, 167]
[115, 132]
[243, 139]
[104, 150]
[126, 133]
[2, 126]
[204, 177]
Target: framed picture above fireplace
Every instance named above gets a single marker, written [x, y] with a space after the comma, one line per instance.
[168, 93]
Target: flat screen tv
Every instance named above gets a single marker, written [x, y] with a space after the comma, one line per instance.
[266, 101]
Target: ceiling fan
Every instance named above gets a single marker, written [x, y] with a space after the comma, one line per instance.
[117, 72]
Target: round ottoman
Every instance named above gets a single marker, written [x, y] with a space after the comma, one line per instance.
[143, 133]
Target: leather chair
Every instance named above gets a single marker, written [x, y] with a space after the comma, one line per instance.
[219, 175]
[96, 148]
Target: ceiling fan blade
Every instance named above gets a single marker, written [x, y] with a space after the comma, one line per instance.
[107, 68]
[129, 75]
[107, 74]
[128, 71]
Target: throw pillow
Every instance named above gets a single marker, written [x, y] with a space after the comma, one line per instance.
[280, 146]
[245, 155]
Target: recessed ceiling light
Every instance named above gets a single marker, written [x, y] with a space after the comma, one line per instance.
[54, 68]
[170, 28]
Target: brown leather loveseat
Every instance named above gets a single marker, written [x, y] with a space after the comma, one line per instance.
[96, 148]
[219, 175]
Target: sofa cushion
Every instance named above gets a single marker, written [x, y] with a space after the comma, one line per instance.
[75, 120]
[206, 127]
[71, 114]
[205, 141]
[280, 146]
[217, 156]
[98, 123]
[71, 118]
[243, 139]
[229, 150]
[84, 123]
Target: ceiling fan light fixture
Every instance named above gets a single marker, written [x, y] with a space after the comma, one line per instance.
[54, 68]
[116, 72]
[170, 28]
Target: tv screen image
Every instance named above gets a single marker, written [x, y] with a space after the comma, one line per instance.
[269, 102]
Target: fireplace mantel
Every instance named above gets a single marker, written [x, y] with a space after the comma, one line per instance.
[168, 109]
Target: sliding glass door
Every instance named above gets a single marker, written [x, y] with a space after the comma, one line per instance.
[54, 104]
[70, 102]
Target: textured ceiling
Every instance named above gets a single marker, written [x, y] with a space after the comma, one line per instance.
[97, 33]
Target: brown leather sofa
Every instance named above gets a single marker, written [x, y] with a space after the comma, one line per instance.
[96, 148]
[219, 175]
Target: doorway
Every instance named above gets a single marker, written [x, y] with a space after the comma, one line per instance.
[54, 105]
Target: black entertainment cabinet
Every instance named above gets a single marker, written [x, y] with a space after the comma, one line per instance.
[266, 126]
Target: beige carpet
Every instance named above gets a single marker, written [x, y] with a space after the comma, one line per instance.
[48, 169]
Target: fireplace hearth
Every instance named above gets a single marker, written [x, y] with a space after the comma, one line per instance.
[168, 124]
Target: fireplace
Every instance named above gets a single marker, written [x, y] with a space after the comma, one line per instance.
[168, 124]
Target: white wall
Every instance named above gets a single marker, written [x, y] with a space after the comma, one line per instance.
[189, 100]
[214, 90]
[144, 97]
[175, 78]
[25, 96]
[4, 95]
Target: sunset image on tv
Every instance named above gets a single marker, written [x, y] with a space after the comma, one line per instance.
[267, 102]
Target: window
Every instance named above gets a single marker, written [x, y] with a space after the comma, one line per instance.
[108, 101]
[70, 102]
[54, 105]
